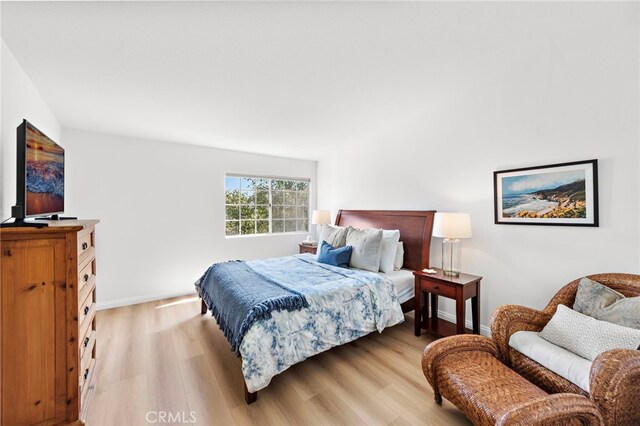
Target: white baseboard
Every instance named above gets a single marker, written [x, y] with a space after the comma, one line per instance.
[484, 330]
[109, 304]
[117, 303]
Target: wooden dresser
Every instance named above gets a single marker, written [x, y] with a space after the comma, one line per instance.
[47, 309]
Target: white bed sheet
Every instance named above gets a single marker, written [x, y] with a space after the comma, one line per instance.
[404, 281]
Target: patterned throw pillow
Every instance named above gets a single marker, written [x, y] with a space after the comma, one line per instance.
[586, 336]
[604, 303]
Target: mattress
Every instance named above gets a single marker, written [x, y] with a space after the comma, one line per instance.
[404, 281]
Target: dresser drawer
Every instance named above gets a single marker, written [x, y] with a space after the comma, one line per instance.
[86, 314]
[438, 288]
[87, 355]
[87, 343]
[85, 242]
[86, 279]
[86, 377]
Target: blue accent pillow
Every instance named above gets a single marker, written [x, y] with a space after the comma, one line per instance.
[334, 256]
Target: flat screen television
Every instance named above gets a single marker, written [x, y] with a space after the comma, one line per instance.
[39, 176]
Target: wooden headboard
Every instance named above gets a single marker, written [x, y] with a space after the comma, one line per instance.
[415, 230]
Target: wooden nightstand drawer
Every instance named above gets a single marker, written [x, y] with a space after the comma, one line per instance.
[438, 288]
[307, 249]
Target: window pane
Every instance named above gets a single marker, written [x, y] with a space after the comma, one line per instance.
[278, 212]
[302, 198]
[277, 185]
[261, 184]
[301, 212]
[247, 212]
[302, 225]
[232, 183]
[233, 212]
[248, 197]
[262, 197]
[232, 228]
[290, 212]
[248, 227]
[277, 197]
[290, 198]
[290, 226]
[247, 183]
[262, 212]
[263, 227]
[278, 226]
[232, 196]
[302, 185]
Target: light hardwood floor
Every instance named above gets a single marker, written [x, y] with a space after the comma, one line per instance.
[165, 357]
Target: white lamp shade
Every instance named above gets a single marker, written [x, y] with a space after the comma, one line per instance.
[321, 217]
[452, 225]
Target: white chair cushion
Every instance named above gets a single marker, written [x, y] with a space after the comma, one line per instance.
[566, 364]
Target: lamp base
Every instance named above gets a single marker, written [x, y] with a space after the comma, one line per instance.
[451, 257]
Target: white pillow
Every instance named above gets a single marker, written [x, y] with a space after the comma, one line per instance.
[334, 235]
[389, 248]
[586, 336]
[397, 264]
[367, 248]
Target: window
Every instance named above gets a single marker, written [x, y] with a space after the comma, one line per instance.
[260, 205]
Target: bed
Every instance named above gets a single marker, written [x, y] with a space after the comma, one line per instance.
[328, 306]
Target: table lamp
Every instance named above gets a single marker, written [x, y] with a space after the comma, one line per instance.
[320, 217]
[451, 227]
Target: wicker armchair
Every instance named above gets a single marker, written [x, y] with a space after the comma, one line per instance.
[615, 375]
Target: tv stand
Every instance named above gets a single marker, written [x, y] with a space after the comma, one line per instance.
[56, 217]
[20, 223]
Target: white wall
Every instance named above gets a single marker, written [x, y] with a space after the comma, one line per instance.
[161, 207]
[20, 99]
[517, 85]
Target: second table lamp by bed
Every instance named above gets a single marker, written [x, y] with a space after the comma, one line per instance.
[451, 227]
[320, 217]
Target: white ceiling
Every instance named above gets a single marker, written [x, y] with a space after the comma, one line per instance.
[290, 79]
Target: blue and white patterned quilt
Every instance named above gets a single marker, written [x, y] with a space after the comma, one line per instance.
[344, 304]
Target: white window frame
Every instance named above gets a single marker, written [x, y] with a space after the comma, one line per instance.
[300, 222]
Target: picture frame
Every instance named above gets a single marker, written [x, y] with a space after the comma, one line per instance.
[563, 194]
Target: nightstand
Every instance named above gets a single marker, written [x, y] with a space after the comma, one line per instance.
[307, 249]
[458, 288]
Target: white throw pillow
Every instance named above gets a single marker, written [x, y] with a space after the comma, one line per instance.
[367, 248]
[336, 236]
[389, 248]
[586, 336]
[397, 264]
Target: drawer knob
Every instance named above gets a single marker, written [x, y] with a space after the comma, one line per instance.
[437, 287]
[86, 373]
[86, 341]
[85, 246]
[86, 310]
[85, 277]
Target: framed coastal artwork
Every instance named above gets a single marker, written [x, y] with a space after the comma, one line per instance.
[555, 194]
